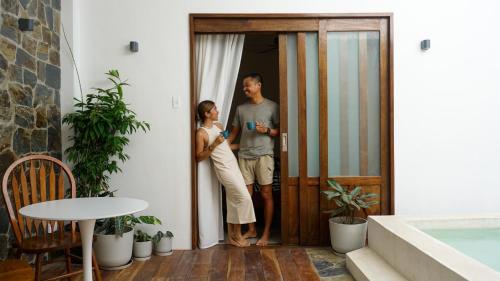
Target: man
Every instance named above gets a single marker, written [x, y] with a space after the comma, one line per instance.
[258, 122]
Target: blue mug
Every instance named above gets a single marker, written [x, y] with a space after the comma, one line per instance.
[251, 125]
[225, 134]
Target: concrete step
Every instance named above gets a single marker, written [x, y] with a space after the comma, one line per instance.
[364, 264]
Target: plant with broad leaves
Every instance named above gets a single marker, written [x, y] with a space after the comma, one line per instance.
[122, 224]
[141, 236]
[100, 125]
[348, 201]
[159, 235]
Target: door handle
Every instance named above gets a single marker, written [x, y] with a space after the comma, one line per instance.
[284, 142]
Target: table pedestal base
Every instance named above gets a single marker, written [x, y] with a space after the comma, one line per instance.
[87, 235]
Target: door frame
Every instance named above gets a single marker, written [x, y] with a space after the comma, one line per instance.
[240, 23]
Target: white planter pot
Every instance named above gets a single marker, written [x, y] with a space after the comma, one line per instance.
[164, 247]
[347, 237]
[142, 250]
[112, 250]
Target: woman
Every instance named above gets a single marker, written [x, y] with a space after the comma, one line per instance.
[210, 143]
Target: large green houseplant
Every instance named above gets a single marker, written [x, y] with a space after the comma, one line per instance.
[101, 124]
[348, 232]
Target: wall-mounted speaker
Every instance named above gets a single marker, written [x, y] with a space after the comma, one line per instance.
[134, 46]
[25, 24]
[425, 44]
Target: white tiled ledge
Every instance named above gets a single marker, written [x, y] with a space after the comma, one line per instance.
[418, 256]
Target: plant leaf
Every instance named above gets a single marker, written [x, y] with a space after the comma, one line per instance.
[336, 212]
[149, 220]
[336, 186]
[355, 205]
[330, 194]
[346, 198]
[339, 203]
[355, 191]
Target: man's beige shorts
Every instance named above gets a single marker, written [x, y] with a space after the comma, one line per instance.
[261, 168]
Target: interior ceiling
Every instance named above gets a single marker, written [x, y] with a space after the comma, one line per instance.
[261, 42]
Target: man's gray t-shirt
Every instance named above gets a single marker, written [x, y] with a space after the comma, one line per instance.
[252, 143]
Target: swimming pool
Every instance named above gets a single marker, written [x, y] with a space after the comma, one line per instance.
[482, 244]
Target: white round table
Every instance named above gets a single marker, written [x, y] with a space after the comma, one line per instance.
[85, 211]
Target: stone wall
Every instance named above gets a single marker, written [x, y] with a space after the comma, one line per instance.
[30, 80]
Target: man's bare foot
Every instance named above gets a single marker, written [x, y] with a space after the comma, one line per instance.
[263, 241]
[250, 234]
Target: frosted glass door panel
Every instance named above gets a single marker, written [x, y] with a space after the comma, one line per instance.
[353, 104]
[312, 104]
[293, 136]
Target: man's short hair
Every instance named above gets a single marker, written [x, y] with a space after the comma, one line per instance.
[256, 76]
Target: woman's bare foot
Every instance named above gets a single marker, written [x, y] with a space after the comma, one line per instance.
[250, 234]
[241, 242]
[233, 242]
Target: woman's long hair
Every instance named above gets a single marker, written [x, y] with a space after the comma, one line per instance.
[204, 107]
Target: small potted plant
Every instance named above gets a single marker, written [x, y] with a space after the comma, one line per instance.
[347, 232]
[143, 246]
[115, 238]
[163, 243]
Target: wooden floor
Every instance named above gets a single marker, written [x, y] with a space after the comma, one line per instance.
[222, 262]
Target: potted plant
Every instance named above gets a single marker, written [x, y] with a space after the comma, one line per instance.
[101, 124]
[347, 232]
[163, 243]
[143, 246]
[114, 240]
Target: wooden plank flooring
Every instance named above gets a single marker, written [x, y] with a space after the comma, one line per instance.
[221, 262]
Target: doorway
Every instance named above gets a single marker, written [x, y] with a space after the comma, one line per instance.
[260, 55]
[333, 124]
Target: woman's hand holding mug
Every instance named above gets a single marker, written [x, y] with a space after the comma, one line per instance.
[219, 140]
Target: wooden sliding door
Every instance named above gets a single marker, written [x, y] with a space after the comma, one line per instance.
[335, 88]
[335, 109]
[354, 119]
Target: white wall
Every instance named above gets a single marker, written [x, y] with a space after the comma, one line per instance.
[446, 99]
[69, 82]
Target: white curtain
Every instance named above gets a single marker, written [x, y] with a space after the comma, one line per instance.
[218, 58]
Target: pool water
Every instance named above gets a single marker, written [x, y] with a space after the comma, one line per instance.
[482, 244]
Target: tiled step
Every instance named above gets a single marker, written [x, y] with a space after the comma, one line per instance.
[364, 264]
